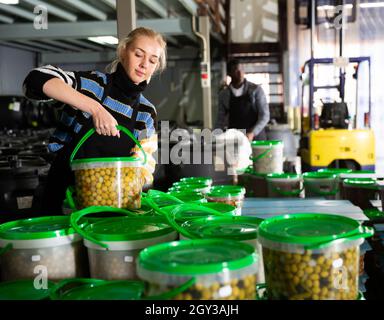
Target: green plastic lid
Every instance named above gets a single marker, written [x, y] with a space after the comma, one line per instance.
[23, 290]
[223, 191]
[195, 257]
[188, 187]
[36, 228]
[287, 176]
[128, 228]
[162, 200]
[319, 175]
[267, 143]
[335, 170]
[310, 229]
[184, 213]
[188, 196]
[145, 209]
[117, 159]
[97, 289]
[360, 182]
[234, 228]
[199, 180]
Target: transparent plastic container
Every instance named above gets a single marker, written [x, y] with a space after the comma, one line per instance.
[352, 175]
[229, 194]
[115, 182]
[284, 185]
[236, 228]
[113, 243]
[217, 269]
[312, 256]
[46, 245]
[267, 156]
[339, 172]
[321, 184]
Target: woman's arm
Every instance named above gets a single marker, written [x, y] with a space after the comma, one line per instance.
[104, 122]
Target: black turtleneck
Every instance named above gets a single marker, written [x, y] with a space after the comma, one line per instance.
[125, 85]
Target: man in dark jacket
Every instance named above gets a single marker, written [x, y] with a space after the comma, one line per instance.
[243, 105]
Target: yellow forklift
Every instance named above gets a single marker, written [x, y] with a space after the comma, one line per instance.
[330, 137]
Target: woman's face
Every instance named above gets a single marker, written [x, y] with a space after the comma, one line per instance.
[142, 59]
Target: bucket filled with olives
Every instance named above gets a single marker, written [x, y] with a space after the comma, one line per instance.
[238, 228]
[284, 185]
[312, 256]
[267, 156]
[46, 245]
[229, 194]
[113, 243]
[218, 269]
[115, 182]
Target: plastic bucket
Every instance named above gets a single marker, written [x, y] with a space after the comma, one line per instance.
[219, 269]
[339, 172]
[114, 243]
[229, 194]
[285, 185]
[312, 256]
[236, 228]
[267, 156]
[48, 244]
[321, 184]
[255, 184]
[115, 182]
[360, 191]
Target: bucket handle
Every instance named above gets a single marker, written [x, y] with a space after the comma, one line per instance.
[362, 232]
[171, 220]
[261, 155]
[76, 216]
[69, 195]
[53, 294]
[173, 292]
[120, 127]
[164, 194]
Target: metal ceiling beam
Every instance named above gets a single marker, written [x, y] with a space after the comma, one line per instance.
[88, 9]
[61, 44]
[6, 19]
[18, 11]
[76, 30]
[20, 46]
[108, 56]
[126, 17]
[54, 10]
[84, 43]
[155, 7]
[111, 3]
[41, 46]
[190, 6]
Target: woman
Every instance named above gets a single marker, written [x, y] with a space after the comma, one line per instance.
[103, 101]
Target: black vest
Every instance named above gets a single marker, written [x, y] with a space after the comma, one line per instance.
[243, 113]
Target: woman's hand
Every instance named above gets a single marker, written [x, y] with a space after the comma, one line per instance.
[105, 124]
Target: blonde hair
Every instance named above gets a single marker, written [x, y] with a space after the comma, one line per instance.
[131, 38]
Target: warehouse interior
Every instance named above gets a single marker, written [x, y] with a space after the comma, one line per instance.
[316, 176]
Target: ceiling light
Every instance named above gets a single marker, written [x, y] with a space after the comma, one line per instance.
[104, 40]
[372, 5]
